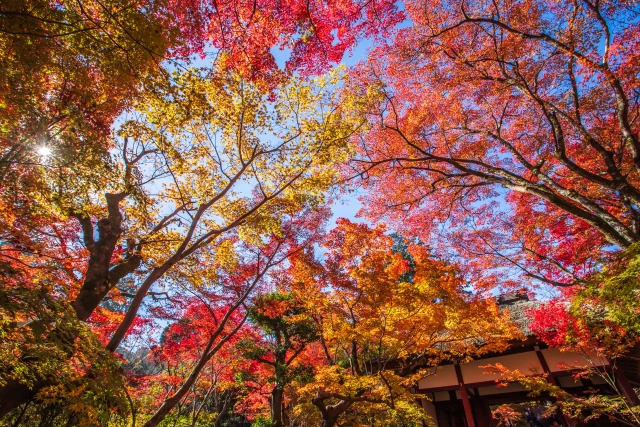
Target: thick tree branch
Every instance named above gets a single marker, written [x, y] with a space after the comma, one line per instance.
[100, 278]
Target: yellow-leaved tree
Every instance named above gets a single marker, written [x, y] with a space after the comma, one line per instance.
[384, 317]
[205, 159]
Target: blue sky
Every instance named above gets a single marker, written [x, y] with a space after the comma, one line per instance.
[348, 205]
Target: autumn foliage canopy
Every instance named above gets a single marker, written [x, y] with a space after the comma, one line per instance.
[173, 171]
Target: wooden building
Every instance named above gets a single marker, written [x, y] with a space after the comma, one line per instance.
[463, 395]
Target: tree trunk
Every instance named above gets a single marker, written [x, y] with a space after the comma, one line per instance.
[331, 413]
[329, 422]
[276, 403]
[100, 278]
[14, 394]
[207, 354]
[98, 282]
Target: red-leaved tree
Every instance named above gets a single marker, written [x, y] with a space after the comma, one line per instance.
[508, 132]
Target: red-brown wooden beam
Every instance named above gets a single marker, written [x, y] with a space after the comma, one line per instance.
[627, 389]
[545, 367]
[466, 404]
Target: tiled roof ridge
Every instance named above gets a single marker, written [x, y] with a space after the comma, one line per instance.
[518, 303]
[512, 297]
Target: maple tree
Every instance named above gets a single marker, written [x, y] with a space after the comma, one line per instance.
[588, 327]
[42, 338]
[509, 414]
[507, 132]
[378, 332]
[579, 408]
[72, 69]
[186, 369]
[295, 234]
[69, 69]
[287, 330]
[226, 159]
[316, 34]
[150, 207]
[593, 320]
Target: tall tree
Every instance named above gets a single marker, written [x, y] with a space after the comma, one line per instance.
[510, 129]
[379, 333]
[207, 156]
[233, 284]
[287, 330]
[316, 33]
[69, 69]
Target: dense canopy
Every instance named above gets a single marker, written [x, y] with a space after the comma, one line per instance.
[173, 249]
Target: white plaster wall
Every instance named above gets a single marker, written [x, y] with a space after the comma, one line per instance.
[555, 357]
[527, 363]
[524, 362]
[444, 376]
[568, 382]
[441, 396]
[510, 388]
[430, 409]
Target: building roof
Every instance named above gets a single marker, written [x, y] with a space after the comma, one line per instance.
[518, 304]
